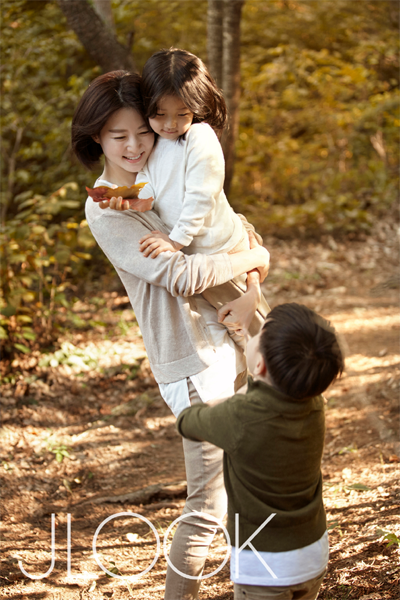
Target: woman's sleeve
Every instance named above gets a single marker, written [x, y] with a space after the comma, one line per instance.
[204, 180]
[118, 234]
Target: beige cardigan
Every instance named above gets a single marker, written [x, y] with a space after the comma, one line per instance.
[161, 290]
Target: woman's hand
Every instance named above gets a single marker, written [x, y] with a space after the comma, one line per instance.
[139, 204]
[156, 242]
[115, 203]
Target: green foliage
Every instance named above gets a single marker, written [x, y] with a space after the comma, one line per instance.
[61, 452]
[317, 148]
[44, 73]
[41, 256]
[358, 487]
[68, 354]
[43, 234]
[58, 449]
[319, 135]
[391, 538]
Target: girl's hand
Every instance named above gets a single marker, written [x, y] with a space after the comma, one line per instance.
[115, 203]
[156, 242]
[238, 314]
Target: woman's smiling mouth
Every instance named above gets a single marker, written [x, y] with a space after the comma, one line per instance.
[134, 158]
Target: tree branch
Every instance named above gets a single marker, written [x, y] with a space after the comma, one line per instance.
[145, 495]
[96, 37]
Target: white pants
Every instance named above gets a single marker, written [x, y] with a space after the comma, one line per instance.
[301, 591]
[206, 493]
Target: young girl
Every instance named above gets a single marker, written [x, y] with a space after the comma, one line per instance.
[185, 175]
[192, 357]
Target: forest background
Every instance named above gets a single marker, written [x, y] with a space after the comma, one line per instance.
[317, 151]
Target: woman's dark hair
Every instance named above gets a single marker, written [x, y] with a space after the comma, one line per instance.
[104, 96]
[179, 73]
[301, 351]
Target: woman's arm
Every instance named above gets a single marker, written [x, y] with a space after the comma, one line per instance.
[118, 234]
[255, 258]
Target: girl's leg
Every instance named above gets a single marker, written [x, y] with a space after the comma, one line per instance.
[206, 493]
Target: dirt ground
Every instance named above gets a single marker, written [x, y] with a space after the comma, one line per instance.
[84, 429]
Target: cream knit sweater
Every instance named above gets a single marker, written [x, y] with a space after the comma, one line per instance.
[176, 336]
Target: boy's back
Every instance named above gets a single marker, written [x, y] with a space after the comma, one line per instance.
[273, 440]
[273, 448]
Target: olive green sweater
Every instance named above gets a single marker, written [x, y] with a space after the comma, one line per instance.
[272, 463]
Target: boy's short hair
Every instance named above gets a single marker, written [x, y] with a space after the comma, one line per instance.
[300, 350]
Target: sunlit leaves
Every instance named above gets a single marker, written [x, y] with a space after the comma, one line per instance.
[318, 144]
[41, 254]
[44, 72]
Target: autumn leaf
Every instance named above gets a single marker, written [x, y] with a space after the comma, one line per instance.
[130, 194]
[104, 192]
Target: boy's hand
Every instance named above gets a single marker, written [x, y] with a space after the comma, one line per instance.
[156, 242]
[238, 314]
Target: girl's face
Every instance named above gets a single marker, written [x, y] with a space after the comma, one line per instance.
[173, 118]
[127, 142]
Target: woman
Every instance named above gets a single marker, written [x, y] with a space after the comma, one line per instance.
[187, 348]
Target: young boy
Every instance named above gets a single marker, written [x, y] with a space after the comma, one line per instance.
[273, 439]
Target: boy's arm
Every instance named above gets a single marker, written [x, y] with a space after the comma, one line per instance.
[238, 314]
[215, 424]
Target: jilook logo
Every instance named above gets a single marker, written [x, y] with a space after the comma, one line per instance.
[133, 578]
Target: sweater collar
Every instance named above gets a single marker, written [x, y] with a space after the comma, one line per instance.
[281, 402]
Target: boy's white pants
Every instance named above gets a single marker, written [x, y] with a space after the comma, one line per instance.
[300, 591]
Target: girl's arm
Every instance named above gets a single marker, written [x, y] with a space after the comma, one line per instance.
[204, 179]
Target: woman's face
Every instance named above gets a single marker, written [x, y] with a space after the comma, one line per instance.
[127, 142]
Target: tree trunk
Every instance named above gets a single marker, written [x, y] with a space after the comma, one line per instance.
[104, 10]
[231, 82]
[214, 39]
[96, 37]
[223, 50]
[394, 11]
